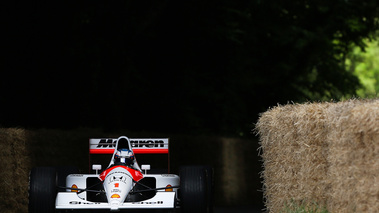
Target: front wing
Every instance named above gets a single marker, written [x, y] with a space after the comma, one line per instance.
[70, 200]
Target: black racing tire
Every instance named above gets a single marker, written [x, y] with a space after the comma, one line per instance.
[42, 190]
[62, 173]
[193, 189]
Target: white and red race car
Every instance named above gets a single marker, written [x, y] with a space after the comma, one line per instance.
[121, 187]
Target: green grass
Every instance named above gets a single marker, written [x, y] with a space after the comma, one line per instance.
[303, 208]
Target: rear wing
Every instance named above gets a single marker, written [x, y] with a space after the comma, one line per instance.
[137, 145]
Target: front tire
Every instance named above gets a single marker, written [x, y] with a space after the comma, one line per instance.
[42, 190]
[193, 189]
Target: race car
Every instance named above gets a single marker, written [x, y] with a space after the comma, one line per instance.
[123, 185]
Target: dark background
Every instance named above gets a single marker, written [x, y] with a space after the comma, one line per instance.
[174, 66]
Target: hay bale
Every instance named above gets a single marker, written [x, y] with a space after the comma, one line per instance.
[233, 178]
[14, 170]
[323, 153]
[292, 139]
[353, 157]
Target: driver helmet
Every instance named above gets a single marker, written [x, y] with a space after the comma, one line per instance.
[124, 156]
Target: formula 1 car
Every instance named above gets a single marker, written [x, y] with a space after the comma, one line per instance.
[121, 187]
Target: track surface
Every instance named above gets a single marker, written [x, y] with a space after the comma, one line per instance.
[217, 209]
[237, 209]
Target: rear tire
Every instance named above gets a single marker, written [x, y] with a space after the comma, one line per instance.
[42, 190]
[193, 189]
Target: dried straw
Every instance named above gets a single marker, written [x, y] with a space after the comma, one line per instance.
[354, 151]
[323, 153]
[294, 148]
[14, 170]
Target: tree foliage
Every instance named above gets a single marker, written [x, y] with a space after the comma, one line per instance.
[363, 62]
[177, 65]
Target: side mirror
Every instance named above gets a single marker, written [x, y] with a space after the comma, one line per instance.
[145, 168]
[96, 167]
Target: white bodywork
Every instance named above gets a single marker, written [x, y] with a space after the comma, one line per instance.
[69, 200]
[73, 200]
[117, 186]
[118, 183]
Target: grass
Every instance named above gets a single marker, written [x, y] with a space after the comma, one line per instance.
[303, 208]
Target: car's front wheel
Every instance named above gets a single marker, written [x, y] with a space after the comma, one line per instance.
[194, 189]
[42, 190]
